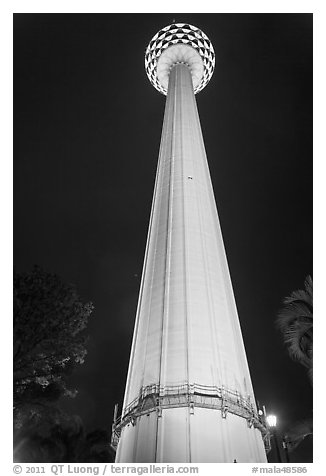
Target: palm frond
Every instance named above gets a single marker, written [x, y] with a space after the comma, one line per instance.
[295, 321]
[296, 311]
[299, 342]
[308, 286]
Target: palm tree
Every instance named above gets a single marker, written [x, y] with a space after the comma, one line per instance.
[295, 322]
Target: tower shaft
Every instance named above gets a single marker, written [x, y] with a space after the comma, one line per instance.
[188, 396]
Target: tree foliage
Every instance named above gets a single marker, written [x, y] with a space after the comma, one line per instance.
[295, 320]
[49, 320]
[64, 441]
[297, 433]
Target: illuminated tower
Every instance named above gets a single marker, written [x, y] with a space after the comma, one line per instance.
[188, 394]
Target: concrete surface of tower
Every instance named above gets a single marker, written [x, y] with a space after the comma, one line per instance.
[188, 395]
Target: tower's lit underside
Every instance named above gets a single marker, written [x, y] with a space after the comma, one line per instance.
[188, 395]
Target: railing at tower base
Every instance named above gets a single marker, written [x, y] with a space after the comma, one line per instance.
[155, 398]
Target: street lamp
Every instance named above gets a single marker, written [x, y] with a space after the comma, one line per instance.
[271, 422]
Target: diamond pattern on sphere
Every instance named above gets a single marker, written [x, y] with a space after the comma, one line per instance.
[185, 34]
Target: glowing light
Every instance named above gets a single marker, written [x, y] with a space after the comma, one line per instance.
[271, 420]
[179, 43]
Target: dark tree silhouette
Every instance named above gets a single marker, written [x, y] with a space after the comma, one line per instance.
[49, 341]
[295, 321]
[64, 442]
[49, 320]
[298, 432]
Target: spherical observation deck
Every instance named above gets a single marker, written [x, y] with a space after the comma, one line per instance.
[179, 43]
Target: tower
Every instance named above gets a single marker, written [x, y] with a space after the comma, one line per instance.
[188, 396]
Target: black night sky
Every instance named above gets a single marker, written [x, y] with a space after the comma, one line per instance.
[87, 127]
